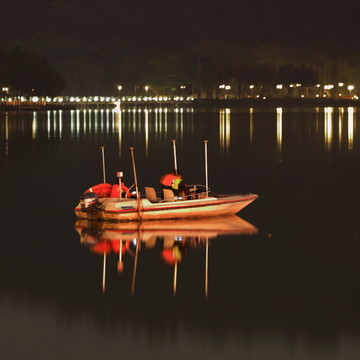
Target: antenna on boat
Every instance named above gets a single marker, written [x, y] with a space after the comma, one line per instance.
[120, 174]
[103, 161]
[134, 169]
[206, 168]
[175, 162]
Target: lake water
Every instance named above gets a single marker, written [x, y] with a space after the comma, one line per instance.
[287, 288]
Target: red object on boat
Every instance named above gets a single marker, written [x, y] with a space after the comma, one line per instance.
[101, 190]
[115, 191]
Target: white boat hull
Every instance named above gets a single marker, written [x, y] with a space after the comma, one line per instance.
[113, 209]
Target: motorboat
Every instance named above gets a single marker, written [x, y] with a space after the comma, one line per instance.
[98, 202]
[96, 205]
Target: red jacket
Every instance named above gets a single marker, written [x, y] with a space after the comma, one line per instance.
[168, 179]
[115, 191]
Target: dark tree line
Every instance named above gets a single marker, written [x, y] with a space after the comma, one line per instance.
[196, 43]
[25, 73]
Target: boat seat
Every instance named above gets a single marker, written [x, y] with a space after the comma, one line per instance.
[151, 194]
[168, 195]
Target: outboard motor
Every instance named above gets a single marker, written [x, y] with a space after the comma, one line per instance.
[89, 203]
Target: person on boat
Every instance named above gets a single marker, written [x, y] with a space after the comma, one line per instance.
[180, 188]
[125, 192]
[175, 182]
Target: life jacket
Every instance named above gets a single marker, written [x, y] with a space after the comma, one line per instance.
[115, 191]
[176, 182]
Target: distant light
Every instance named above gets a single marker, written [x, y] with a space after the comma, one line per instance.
[302, 96]
[182, 87]
[341, 84]
[251, 86]
[279, 86]
[328, 87]
[350, 87]
[227, 87]
[317, 85]
[298, 85]
[119, 87]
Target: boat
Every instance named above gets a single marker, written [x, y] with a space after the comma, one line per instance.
[96, 204]
[198, 205]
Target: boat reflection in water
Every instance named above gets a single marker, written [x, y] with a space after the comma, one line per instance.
[111, 238]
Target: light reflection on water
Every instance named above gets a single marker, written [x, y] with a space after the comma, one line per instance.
[332, 125]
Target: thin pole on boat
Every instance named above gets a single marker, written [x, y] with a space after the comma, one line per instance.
[103, 162]
[206, 167]
[135, 177]
[175, 160]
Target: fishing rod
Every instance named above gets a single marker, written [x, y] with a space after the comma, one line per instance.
[103, 161]
[134, 170]
[136, 183]
[206, 167]
[175, 161]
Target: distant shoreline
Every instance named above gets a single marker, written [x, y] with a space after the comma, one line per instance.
[276, 102]
[199, 103]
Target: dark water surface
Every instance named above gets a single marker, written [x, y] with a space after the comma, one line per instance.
[290, 289]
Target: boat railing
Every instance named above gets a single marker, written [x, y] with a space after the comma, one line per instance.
[195, 192]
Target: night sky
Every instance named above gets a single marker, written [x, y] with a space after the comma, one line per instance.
[100, 34]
